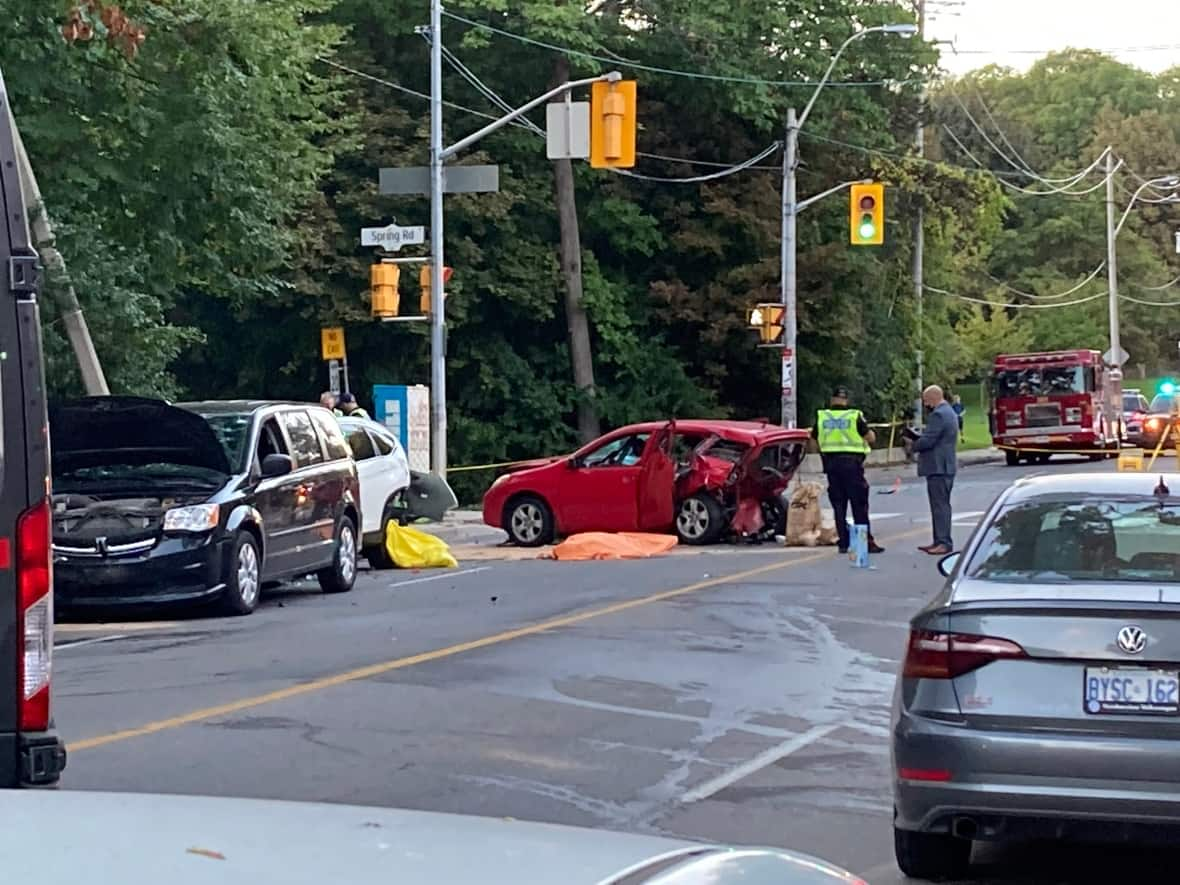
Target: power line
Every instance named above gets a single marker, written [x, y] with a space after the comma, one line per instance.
[1015, 305]
[1089, 277]
[1167, 285]
[712, 176]
[536, 130]
[671, 72]
[1003, 136]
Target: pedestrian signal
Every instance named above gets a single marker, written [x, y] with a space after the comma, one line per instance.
[866, 214]
[383, 280]
[768, 320]
[424, 283]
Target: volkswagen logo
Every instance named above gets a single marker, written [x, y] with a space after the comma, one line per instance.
[1132, 639]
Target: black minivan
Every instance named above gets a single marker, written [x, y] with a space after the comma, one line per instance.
[31, 753]
[159, 503]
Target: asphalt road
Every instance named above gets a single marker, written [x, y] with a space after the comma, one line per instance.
[738, 695]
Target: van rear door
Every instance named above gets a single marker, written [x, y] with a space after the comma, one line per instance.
[30, 751]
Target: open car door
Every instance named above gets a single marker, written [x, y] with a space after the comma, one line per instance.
[657, 481]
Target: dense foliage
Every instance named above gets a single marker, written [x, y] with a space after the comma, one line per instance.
[1053, 122]
[209, 163]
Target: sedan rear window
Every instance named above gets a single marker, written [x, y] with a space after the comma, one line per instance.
[1088, 540]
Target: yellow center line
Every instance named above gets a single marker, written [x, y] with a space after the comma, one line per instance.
[302, 688]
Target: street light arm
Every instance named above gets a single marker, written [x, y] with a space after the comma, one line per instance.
[832, 66]
[463, 143]
[1169, 182]
[803, 204]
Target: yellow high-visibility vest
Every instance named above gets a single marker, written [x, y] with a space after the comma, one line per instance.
[836, 432]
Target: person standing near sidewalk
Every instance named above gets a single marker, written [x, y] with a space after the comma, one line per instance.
[938, 462]
[843, 437]
[960, 410]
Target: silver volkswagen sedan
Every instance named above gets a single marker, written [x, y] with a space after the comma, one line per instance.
[1040, 691]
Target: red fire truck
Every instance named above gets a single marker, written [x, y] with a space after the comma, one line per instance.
[1046, 402]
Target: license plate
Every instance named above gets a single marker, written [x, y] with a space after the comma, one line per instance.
[1118, 690]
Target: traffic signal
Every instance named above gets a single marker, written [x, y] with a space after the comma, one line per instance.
[612, 124]
[383, 280]
[768, 320]
[424, 282]
[866, 214]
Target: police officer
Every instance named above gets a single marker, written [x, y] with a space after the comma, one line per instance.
[843, 436]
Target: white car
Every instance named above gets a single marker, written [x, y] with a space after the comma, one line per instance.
[384, 473]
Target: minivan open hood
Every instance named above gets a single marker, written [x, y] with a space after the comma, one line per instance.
[100, 430]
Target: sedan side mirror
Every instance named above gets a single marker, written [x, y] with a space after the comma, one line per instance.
[277, 465]
[947, 564]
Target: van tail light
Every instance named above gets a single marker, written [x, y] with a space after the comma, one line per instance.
[933, 655]
[35, 619]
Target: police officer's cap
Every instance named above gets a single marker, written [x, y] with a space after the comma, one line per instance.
[840, 391]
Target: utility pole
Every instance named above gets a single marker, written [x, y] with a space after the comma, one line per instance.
[789, 383]
[438, 326]
[60, 284]
[919, 236]
[791, 208]
[1114, 397]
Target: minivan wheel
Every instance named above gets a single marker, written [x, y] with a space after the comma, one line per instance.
[932, 856]
[341, 574]
[243, 584]
[700, 520]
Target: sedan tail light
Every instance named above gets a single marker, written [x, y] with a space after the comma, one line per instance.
[35, 625]
[934, 655]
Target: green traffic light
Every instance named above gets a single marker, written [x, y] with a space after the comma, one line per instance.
[867, 229]
[1167, 388]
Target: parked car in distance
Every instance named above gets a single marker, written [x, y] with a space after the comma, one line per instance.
[193, 840]
[1135, 408]
[390, 490]
[1040, 691]
[702, 478]
[1164, 412]
[384, 473]
[160, 503]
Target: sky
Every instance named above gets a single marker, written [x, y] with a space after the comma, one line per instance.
[1018, 32]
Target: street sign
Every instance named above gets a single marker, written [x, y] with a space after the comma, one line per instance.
[567, 130]
[411, 180]
[788, 369]
[1109, 358]
[391, 237]
[332, 343]
[334, 376]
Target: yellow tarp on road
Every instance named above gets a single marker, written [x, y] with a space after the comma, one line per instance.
[410, 548]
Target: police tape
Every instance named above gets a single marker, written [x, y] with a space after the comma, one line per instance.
[1091, 452]
[470, 468]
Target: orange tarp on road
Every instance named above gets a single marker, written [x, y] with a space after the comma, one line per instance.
[613, 545]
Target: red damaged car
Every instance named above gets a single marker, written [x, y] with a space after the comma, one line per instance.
[704, 479]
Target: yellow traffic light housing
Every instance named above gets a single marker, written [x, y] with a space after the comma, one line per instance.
[383, 295]
[612, 124]
[866, 214]
[768, 320]
[424, 283]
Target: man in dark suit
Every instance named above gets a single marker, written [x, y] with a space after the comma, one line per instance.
[938, 462]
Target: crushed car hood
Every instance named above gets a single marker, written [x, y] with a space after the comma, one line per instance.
[102, 430]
